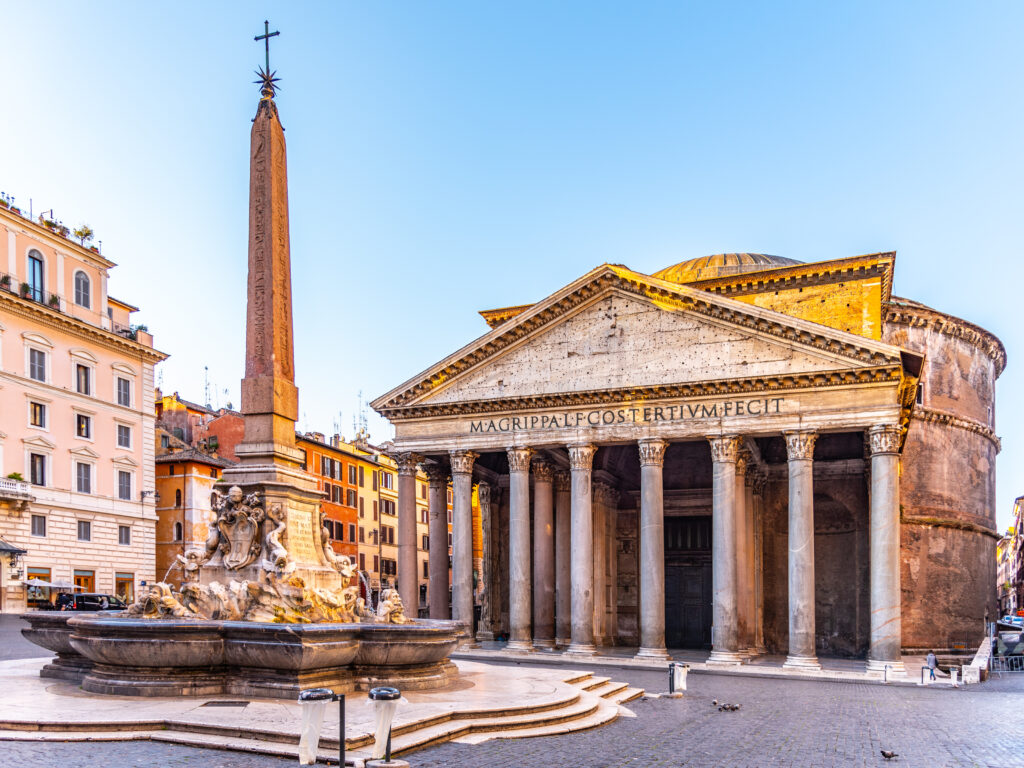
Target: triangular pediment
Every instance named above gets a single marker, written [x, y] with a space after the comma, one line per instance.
[39, 442]
[616, 329]
[84, 452]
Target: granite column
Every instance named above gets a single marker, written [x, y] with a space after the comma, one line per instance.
[884, 527]
[543, 555]
[802, 652]
[462, 539]
[563, 555]
[724, 636]
[408, 578]
[437, 537]
[519, 549]
[581, 459]
[652, 550]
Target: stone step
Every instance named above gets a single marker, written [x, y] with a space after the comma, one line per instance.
[625, 694]
[594, 681]
[605, 713]
[609, 689]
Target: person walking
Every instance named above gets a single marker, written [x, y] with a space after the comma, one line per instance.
[931, 662]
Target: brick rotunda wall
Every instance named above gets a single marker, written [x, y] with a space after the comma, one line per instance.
[947, 485]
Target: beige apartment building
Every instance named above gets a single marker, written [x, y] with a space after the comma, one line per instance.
[76, 422]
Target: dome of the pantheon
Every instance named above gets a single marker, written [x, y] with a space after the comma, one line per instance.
[720, 265]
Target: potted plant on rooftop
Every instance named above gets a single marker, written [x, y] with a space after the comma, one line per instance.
[54, 301]
[5, 282]
[84, 234]
[26, 289]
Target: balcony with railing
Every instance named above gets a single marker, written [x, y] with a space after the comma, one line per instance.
[15, 495]
[11, 285]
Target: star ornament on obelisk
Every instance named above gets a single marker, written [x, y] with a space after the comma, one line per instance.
[267, 81]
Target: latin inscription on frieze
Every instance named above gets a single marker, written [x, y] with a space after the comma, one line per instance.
[647, 414]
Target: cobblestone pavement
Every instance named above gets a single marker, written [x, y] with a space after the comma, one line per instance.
[12, 644]
[781, 723]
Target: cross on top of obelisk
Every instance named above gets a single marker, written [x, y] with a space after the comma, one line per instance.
[267, 82]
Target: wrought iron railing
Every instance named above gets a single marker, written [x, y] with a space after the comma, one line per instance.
[29, 292]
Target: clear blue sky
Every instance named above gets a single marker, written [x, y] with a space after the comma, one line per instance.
[449, 157]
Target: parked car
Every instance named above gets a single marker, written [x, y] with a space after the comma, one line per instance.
[89, 601]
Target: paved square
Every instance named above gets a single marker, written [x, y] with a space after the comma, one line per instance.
[780, 723]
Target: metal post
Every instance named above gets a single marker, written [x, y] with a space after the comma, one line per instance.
[341, 729]
[387, 749]
[671, 677]
[885, 673]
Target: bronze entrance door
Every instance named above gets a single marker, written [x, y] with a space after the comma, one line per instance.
[688, 582]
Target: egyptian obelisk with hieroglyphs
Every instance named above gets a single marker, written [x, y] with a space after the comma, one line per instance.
[269, 462]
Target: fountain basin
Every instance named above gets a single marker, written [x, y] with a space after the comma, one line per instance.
[50, 630]
[130, 656]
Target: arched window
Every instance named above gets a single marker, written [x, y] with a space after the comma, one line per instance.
[177, 498]
[35, 276]
[177, 531]
[82, 298]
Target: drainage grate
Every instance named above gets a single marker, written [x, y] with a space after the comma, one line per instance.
[226, 704]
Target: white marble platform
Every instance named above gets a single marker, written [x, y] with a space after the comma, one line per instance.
[485, 702]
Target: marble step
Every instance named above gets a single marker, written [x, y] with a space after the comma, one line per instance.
[604, 713]
[608, 689]
[594, 681]
[625, 694]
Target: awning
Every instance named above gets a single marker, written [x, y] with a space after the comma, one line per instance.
[52, 584]
[10, 549]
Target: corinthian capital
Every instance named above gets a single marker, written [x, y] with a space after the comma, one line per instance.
[437, 475]
[563, 481]
[884, 438]
[743, 458]
[800, 445]
[407, 462]
[519, 459]
[724, 449]
[652, 452]
[582, 456]
[462, 462]
[543, 472]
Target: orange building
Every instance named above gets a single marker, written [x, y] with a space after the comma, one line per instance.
[184, 485]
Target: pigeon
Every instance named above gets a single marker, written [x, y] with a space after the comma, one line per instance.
[714, 702]
[888, 755]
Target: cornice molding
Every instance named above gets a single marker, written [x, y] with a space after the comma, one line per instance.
[761, 321]
[42, 234]
[903, 312]
[802, 275]
[713, 388]
[53, 319]
[947, 419]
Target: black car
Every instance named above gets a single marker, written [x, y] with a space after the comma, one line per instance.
[89, 601]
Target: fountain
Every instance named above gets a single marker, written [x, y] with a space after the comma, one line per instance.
[266, 608]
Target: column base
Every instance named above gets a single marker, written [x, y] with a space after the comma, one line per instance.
[519, 646]
[802, 663]
[652, 654]
[484, 635]
[543, 645]
[877, 667]
[725, 658]
[760, 649]
[580, 649]
[563, 642]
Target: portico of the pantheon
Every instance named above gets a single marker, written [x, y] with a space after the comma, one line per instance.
[740, 452]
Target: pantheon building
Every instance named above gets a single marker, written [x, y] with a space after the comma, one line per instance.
[741, 452]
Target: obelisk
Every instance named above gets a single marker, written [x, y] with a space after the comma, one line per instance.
[270, 464]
